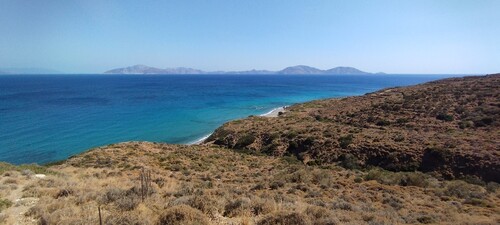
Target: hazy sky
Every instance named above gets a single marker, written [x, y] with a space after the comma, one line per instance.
[436, 36]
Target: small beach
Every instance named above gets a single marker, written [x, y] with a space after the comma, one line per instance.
[275, 112]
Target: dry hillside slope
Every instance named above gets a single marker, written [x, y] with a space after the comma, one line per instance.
[150, 183]
[450, 127]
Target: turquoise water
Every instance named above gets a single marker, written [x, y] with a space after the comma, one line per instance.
[44, 118]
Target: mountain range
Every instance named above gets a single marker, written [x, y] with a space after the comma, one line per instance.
[300, 69]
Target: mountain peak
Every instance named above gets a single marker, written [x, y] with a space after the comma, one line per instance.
[344, 70]
[300, 69]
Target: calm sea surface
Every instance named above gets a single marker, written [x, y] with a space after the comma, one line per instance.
[44, 118]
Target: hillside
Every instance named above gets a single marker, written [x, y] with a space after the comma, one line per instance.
[450, 127]
[310, 165]
[152, 183]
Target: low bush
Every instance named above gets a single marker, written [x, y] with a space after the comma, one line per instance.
[181, 215]
[126, 203]
[284, 218]
[245, 141]
[349, 161]
[318, 213]
[383, 123]
[462, 189]
[238, 207]
[483, 122]
[345, 141]
[398, 178]
[4, 203]
[262, 206]
[444, 117]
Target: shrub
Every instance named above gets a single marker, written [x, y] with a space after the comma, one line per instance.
[383, 123]
[398, 178]
[483, 122]
[262, 206]
[284, 218]
[342, 204]
[492, 187]
[345, 141]
[63, 193]
[4, 203]
[444, 117]
[204, 203]
[402, 120]
[465, 124]
[393, 202]
[127, 203]
[245, 141]
[462, 189]
[123, 219]
[321, 216]
[112, 195]
[299, 176]
[182, 214]
[291, 159]
[292, 134]
[237, 207]
[276, 184]
[349, 161]
[399, 138]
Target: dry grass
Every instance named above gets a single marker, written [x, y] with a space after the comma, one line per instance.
[210, 185]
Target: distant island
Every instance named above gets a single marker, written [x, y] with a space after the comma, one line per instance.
[300, 69]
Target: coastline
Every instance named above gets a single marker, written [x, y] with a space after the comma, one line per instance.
[275, 112]
[272, 113]
[200, 140]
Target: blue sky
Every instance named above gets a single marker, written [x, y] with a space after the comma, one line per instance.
[436, 36]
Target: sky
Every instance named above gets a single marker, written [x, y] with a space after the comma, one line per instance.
[392, 36]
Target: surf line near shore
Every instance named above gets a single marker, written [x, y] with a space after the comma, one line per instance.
[273, 113]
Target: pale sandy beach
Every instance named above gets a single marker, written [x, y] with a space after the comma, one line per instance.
[275, 112]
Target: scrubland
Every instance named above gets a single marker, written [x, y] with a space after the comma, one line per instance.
[426, 154]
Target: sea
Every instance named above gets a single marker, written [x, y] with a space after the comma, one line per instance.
[46, 118]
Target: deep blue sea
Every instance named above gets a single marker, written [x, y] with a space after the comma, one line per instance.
[44, 118]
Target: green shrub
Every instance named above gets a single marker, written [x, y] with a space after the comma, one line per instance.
[4, 204]
[383, 123]
[465, 124]
[349, 161]
[345, 141]
[417, 179]
[462, 189]
[245, 141]
[444, 117]
[291, 159]
[483, 122]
